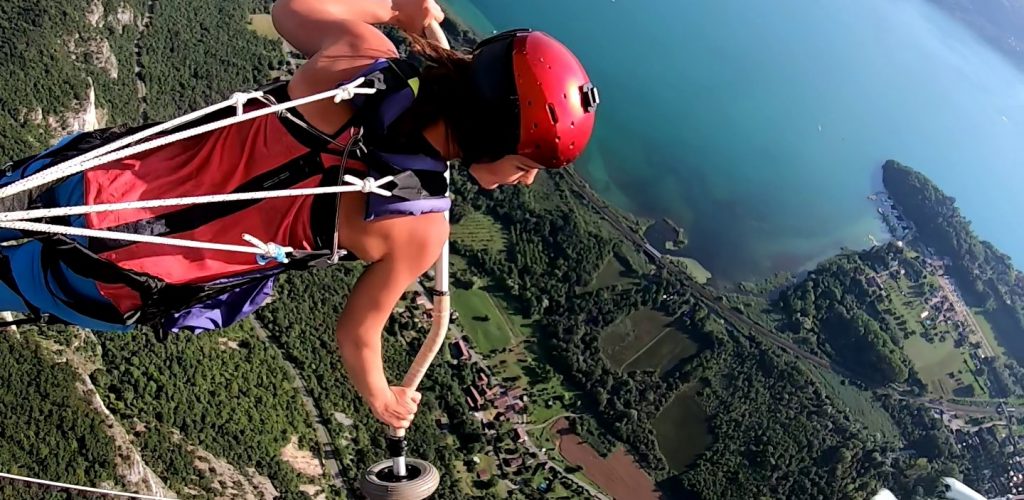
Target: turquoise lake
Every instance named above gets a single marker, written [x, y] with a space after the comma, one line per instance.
[761, 126]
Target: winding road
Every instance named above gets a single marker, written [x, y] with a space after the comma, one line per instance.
[326, 446]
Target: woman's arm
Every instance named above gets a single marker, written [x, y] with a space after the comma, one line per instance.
[311, 25]
[340, 41]
[308, 25]
[413, 246]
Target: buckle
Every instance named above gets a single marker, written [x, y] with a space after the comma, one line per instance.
[590, 97]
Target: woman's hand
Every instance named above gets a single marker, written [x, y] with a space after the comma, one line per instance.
[413, 16]
[396, 407]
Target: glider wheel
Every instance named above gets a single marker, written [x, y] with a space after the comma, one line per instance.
[380, 483]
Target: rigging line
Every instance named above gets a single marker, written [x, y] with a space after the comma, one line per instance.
[76, 165]
[355, 184]
[77, 488]
[139, 238]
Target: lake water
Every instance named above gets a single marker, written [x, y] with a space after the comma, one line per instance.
[760, 127]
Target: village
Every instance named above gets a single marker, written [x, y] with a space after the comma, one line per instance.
[987, 440]
[943, 306]
[502, 411]
[981, 444]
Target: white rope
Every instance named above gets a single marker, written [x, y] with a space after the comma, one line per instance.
[355, 184]
[111, 152]
[158, 240]
[77, 488]
[105, 155]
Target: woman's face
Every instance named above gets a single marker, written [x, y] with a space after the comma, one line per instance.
[508, 171]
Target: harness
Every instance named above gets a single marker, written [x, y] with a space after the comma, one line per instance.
[419, 185]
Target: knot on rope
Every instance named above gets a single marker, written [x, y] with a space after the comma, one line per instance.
[346, 92]
[271, 250]
[240, 98]
[369, 184]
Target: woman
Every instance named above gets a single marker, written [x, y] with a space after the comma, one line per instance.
[520, 103]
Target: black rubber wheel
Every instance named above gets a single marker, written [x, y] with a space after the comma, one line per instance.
[379, 482]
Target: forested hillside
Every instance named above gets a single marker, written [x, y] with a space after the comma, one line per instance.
[47, 81]
[302, 318]
[227, 393]
[836, 313]
[48, 429]
[225, 400]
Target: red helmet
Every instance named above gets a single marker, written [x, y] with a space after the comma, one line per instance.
[536, 96]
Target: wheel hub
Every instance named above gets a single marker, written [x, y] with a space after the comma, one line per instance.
[387, 474]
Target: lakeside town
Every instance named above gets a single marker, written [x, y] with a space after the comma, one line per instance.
[980, 436]
[510, 456]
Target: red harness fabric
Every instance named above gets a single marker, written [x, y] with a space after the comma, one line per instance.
[217, 162]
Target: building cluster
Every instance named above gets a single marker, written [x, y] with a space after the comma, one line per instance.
[940, 310]
[508, 405]
[899, 227]
[494, 403]
[1002, 474]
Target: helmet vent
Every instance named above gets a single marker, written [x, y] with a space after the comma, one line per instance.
[552, 114]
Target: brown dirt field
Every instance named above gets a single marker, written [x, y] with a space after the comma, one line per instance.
[618, 475]
[301, 460]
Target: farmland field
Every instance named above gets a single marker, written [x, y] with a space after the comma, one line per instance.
[623, 340]
[860, 404]
[479, 232]
[263, 26]
[941, 366]
[613, 272]
[986, 329]
[662, 354]
[681, 430]
[619, 475]
[485, 325]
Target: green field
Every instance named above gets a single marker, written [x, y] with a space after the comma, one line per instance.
[611, 273]
[986, 330]
[663, 354]
[263, 26]
[941, 366]
[518, 368]
[695, 269]
[487, 327]
[622, 341]
[479, 232]
[859, 403]
[681, 430]
[906, 304]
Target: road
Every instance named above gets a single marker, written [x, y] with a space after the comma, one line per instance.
[326, 446]
[964, 312]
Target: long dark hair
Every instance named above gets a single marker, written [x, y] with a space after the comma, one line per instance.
[445, 91]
